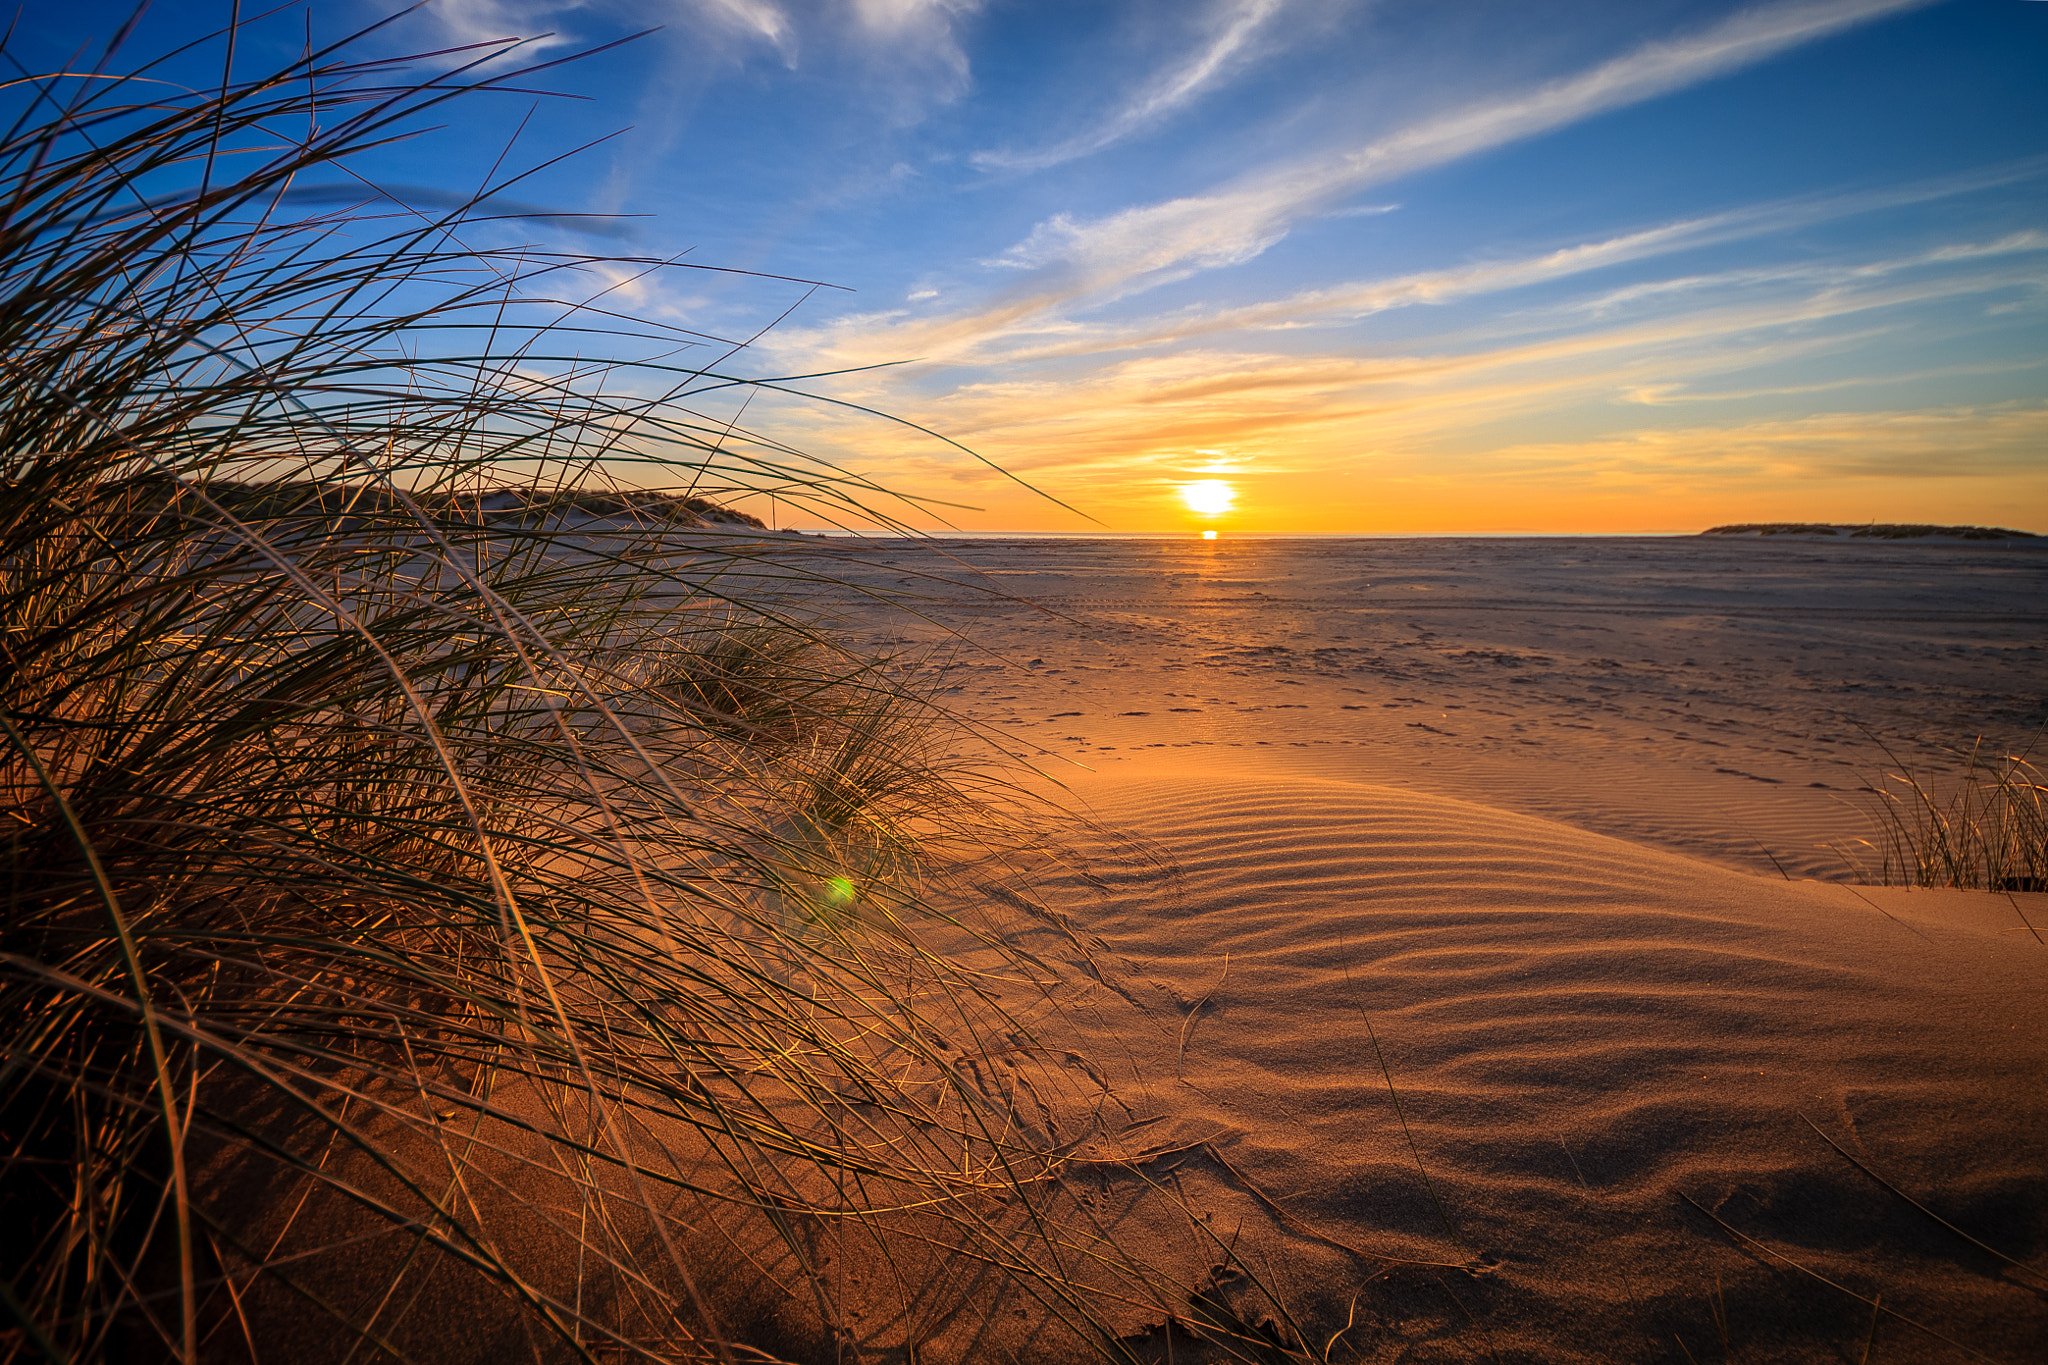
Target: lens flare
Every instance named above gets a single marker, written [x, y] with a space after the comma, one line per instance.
[1210, 497]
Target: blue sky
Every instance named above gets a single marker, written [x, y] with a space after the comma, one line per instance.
[1377, 265]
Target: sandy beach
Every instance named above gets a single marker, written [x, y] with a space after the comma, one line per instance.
[1472, 948]
[1707, 696]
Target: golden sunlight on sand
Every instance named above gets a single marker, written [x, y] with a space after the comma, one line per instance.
[1472, 948]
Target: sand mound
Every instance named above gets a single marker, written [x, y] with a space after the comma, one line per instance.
[1619, 1071]
[1387, 1076]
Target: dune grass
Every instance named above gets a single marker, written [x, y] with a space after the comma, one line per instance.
[1986, 829]
[455, 908]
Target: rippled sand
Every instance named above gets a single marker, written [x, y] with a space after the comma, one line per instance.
[1456, 955]
[1487, 828]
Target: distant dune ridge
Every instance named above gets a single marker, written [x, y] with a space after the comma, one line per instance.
[1868, 531]
[300, 498]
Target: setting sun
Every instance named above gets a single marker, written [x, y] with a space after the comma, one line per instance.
[1210, 497]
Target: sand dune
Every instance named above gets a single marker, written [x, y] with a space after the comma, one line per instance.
[1583, 1035]
[1427, 979]
[1390, 1076]
[1369, 792]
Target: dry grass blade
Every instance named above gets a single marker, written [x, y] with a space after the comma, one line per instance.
[1187, 1026]
[1894, 1190]
[450, 905]
[1987, 830]
[1744, 1240]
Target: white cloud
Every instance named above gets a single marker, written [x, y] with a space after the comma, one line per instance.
[901, 16]
[1918, 444]
[1030, 327]
[757, 19]
[913, 42]
[1663, 395]
[917, 39]
[1227, 46]
[1074, 264]
[1815, 275]
[1457, 390]
[1156, 243]
[1357, 299]
[463, 22]
[1181, 235]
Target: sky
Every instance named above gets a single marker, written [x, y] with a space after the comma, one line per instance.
[1311, 266]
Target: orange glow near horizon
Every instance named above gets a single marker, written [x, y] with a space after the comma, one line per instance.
[1421, 470]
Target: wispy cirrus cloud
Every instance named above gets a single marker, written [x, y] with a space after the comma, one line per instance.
[1921, 444]
[1026, 328]
[1349, 434]
[1067, 266]
[900, 16]
[1026, 332]
[539, 25]
[761, 20]
[1229, 43]
[1667, 395]
[1568, 340]
[1150, 244]
[919, 38]
[1812, 275]
[543, 23]
[915, 41]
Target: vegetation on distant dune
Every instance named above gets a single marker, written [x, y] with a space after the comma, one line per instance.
[274, 498]
[432, 917]
[1867, 530]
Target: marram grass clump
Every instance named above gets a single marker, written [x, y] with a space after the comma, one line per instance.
[454, 909]
[1984, 829]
